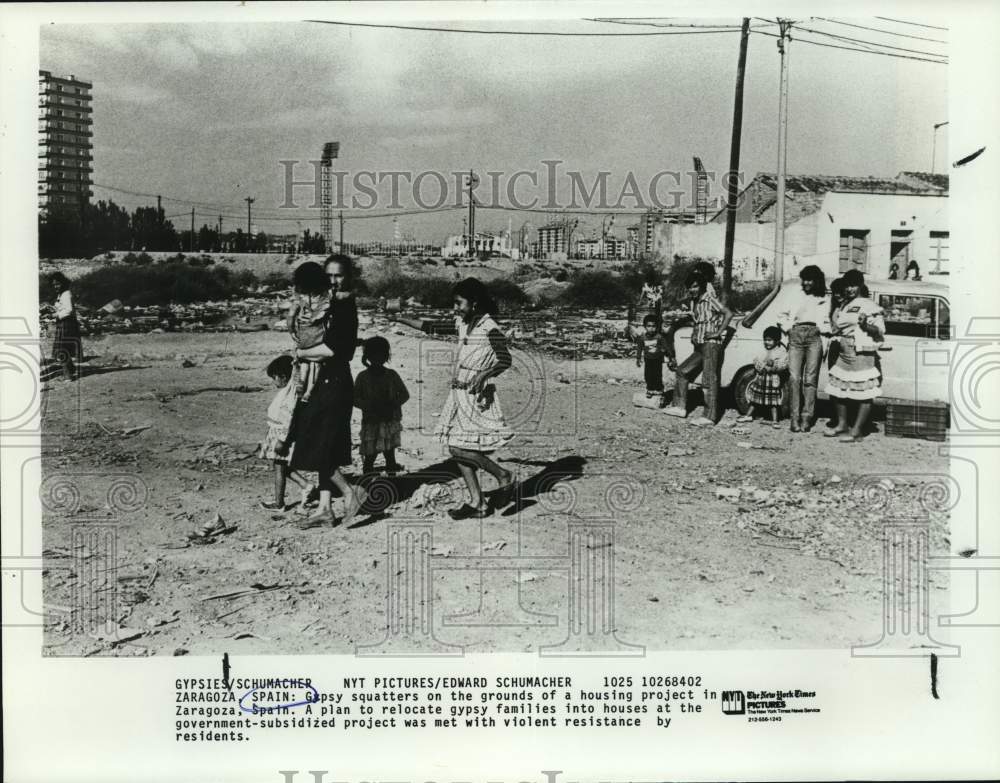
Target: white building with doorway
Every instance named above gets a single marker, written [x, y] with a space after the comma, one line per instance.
[836, 223]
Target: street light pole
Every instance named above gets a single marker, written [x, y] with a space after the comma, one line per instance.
[934, 147]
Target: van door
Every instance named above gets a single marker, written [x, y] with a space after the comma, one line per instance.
[934, 356]
[911, 339]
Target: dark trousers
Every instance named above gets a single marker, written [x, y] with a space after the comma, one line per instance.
[67, 345]
[805, 351]
[654, 373]
[707, 361]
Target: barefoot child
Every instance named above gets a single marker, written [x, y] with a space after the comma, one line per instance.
[766, 387]
[652, 348]
[380, 394]
[275, 446]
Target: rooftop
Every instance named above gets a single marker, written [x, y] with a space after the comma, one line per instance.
[804, 192]
[904, 182]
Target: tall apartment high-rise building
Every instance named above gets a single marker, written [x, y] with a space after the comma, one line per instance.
[65, 145]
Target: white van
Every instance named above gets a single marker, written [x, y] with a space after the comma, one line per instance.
[917, 322]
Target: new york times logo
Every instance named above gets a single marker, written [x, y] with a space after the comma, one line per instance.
[734, 703]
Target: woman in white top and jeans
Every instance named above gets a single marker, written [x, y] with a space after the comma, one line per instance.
[806, 318]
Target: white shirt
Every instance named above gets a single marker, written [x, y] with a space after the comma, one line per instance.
[64, 305]
[806, 309]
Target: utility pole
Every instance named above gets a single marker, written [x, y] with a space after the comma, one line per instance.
[779, 223]
[249, 201]
[934, 148]
[191, 243]
[341, 217]
[472, 215]
[733, 192]
[159, 209]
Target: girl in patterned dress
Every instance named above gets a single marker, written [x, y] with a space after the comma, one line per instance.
[765, 390]
[472, 424]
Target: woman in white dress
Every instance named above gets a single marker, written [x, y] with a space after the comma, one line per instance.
[472, 423]
[859, 326]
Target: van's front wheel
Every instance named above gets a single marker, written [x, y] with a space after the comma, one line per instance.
[740, 389]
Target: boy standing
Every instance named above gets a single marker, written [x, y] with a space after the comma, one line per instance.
[709, 319]
[652, 348]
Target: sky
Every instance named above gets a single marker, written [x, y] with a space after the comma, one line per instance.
[205, 112]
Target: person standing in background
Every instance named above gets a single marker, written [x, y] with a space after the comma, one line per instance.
[67, 342]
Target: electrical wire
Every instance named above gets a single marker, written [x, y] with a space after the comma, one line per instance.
[863, 51]
[914, 24]
[518, 32]
[207, 205]
[262, 215]
[879, 30]
[848, 39]
[653, 22]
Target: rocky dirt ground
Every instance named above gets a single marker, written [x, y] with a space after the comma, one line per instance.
[738, 537]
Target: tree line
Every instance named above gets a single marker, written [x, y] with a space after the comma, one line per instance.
[106, 226]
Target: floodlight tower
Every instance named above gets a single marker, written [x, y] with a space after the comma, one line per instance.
[330, 151]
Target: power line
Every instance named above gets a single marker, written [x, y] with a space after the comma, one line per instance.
[868, 43]
[863, 51]
[208, 205]
[264, 214]
[519, 32]
[914, 24]
[651, 21]
[880, 30]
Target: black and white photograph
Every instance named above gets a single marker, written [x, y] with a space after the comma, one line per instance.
[302, 290]
[585, 336]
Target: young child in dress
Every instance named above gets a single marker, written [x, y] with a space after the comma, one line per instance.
[275, 446]
[652, 349]
[380, 394]
[306, 315]
[766, 387]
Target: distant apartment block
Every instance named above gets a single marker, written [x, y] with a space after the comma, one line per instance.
[65, 144]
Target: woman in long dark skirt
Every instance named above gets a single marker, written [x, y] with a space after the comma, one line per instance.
[67, 343]
[321, 429]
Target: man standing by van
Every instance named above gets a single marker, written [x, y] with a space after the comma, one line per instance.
[710, 320]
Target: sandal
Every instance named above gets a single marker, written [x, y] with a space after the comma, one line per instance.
[465, 511]
[317, 520]
[848, 438]
[744, 419]
[271, 505]
[828, 433]
[503, 496]
[310, 495]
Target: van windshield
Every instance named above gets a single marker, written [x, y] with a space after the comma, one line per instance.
[751, 319]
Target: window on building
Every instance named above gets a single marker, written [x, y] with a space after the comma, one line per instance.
[854, 249]
[913, 316]
[938, 261]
